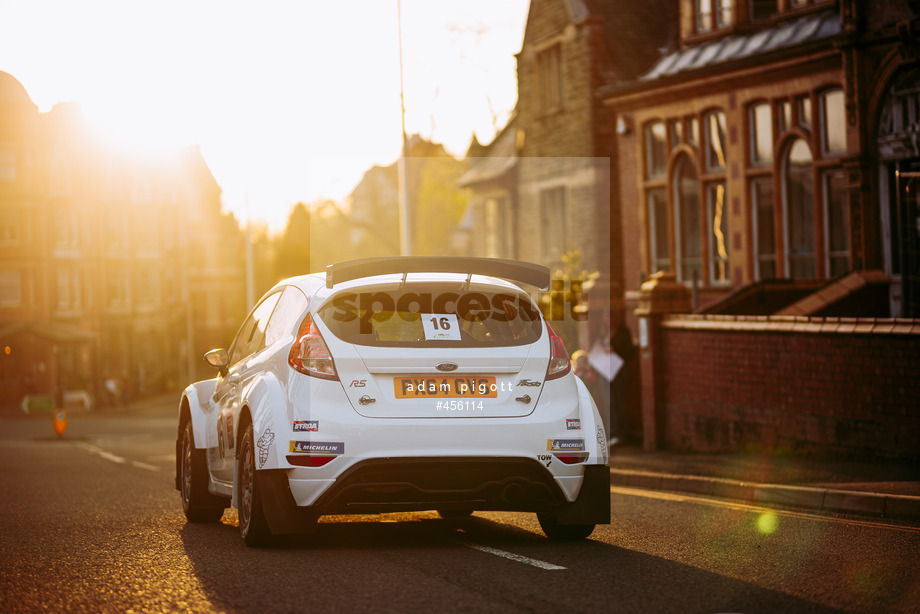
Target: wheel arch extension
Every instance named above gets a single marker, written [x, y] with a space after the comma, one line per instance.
[244, 419]
[190, 409]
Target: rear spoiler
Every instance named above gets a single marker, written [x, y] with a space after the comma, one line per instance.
[512, 270]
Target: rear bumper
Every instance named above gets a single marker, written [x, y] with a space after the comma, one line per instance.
[442, 483]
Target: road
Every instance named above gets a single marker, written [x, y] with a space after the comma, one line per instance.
[91, 522]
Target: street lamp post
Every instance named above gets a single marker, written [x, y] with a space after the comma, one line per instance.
[405, 238]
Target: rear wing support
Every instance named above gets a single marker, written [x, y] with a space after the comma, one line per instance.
[513, 270]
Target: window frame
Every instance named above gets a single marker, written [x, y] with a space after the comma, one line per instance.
[549, 78]
[11, 281]
[715, 259]
[823, 119]
[658, 254]
[755, 135]
[693, 261]
[789, 256]
[829, 253]
[651, 167]
[708, 147]
[553, 219]
[760, 256]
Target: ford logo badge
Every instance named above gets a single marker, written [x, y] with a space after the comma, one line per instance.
[446, 366]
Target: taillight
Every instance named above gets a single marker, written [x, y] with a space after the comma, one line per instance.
[559, 363]
[309, 354]
[571, 458]
[309, 460]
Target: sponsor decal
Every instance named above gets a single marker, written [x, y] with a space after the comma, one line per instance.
[447, 386]
[324, 447]
[468, 306]
[306, 425]
[264, 444]
[565, 445]
[437, 326]
[471, 307]
[573, 424]
[602, 441]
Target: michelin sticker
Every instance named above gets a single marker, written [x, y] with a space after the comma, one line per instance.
[565, 445]
[325, 447]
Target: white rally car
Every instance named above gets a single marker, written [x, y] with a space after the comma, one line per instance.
[394, 384]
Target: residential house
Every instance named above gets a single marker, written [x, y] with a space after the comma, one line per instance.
[542, 188]
[778, 141]
[437, 207]
[113, 265]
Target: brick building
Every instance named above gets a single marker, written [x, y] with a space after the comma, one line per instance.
[769, 172]
[776, 142]
[541, 188]
[764, 171]
[111, 263]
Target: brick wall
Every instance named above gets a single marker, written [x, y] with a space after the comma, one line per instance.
[849, 385]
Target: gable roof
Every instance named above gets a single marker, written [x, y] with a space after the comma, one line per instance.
[494, 160]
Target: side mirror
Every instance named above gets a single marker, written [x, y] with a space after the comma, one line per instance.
[219, 359]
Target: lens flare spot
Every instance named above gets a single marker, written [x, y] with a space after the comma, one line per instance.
[767, 523]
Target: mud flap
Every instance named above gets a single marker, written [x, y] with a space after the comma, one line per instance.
[281, 512]
[593, 503]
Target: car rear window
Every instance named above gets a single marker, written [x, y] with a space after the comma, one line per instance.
[433, 316]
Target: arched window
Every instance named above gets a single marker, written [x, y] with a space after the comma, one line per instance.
[687, 219]
[799, 211]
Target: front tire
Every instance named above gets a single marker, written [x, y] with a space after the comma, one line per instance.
[197, 503]
[563, 532]
[253, 525]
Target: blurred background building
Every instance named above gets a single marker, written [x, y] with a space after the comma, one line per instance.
[114, 266]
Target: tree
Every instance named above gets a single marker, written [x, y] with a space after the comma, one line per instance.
[292, 257]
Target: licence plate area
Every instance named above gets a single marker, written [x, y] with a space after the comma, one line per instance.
[466, 387]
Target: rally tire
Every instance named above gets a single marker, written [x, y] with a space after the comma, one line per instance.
[253, 525]
[197, 503]
[563, 532]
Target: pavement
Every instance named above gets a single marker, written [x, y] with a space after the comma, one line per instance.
[870, 486]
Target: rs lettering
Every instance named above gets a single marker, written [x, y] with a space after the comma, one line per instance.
[357, 383]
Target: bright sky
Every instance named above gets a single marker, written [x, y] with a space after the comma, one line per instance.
[289, 100]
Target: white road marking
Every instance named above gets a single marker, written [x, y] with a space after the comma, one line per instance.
[114, 458]
[118, 460]
[514, 557]
[101, 453]
[145, 466]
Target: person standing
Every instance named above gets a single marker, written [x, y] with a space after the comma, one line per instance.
[622, 346]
